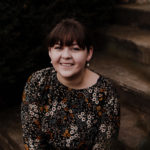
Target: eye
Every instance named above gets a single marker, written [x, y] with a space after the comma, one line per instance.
[76, 48]
[57, 47]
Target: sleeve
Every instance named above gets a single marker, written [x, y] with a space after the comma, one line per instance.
[108, 130]
[31, 113]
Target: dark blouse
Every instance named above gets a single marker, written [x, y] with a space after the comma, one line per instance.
[55, 117]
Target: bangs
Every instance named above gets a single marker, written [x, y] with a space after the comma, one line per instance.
[68, 32]
[66, 37]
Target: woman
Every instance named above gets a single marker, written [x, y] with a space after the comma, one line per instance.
[69, 106]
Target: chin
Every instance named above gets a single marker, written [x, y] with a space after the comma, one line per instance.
[66, 74]
[69, 73]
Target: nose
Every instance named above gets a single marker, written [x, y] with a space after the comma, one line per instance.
[66, 53]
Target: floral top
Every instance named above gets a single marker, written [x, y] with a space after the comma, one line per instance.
[55, 117]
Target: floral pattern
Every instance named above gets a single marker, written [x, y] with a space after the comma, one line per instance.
[55, 117]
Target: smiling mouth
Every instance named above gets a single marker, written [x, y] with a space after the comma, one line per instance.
[66, 64]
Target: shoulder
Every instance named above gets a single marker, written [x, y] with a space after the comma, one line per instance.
[40, 76]
[103, 81]
[36, 84]
[106, 82]
[109, 89]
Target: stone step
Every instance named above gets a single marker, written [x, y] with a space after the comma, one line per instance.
[133, 1]
[132, 14]
[130, 79]
[127, 42]
[10, 129]
[134, 129]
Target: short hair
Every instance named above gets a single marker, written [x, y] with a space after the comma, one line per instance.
[68, 31]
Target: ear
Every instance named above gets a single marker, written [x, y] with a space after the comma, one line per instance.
[90, 54]
[49, 51]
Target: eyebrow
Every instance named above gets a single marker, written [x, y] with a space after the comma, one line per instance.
[73, 44]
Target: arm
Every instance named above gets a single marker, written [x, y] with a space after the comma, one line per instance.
[31, 113]
[109, 128]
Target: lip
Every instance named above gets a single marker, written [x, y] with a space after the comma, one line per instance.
[66, 64]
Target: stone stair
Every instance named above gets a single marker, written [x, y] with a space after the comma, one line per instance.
[10, 129]
[133, 15]
[129, 42]
[123, 55]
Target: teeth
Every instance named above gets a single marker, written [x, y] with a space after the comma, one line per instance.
[66, 64]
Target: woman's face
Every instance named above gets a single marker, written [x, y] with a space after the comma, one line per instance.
[69, 61]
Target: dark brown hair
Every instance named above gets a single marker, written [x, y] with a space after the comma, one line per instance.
[68, 31]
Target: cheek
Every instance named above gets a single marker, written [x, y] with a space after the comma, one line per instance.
[81, 59]
[54, 57]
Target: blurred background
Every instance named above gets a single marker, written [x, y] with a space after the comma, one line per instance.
[121, 34]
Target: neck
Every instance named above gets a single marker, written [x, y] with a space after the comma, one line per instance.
[76, 82]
